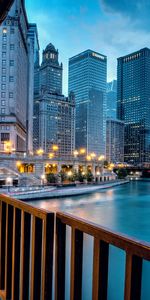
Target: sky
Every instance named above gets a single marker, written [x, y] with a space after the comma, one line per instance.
[111, 27]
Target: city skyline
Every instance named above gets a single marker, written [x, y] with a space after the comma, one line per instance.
[103, 26]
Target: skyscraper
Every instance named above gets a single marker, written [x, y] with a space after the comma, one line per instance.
[56, 123]
[15, 89]
[54, 114]
[133, 104]
[111, 94]
[114, 140]
[87, 80]
[51, 71]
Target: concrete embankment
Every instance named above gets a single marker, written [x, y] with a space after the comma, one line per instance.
[54, 192]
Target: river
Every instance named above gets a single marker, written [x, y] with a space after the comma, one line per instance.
[125, 209]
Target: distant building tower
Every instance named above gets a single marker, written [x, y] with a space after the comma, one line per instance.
[111, 93]
[54, 114]
[114, 140]
[33, 33]
[16, 68]
[51, 71]
[87, 80]
[57, 122]
[133, 104]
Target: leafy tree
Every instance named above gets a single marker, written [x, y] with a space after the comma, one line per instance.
[52, 178]
[106, 164]
[63, 175]
[89, 176]
[122, 173]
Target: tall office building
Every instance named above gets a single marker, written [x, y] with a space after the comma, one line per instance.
[111, 94]
[57, 123]
[51, 71]
[133, 104]
[16, 69]
[54, 114]
[33, 34]
[87, 80]
[114, 140]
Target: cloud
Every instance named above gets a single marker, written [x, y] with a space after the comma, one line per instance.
[136, 10]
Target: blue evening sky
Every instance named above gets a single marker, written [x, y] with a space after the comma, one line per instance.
[113, 28]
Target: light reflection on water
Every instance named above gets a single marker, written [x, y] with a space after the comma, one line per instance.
[125, 209]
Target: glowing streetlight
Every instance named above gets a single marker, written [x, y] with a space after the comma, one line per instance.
[75, 153]
[98, 173]
[93, 155]
[51, 155]
[88, 157]
[40, 151]
[101, 157]
[55, 147]
[82, 151]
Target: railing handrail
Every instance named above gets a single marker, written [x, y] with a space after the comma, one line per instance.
[122, 241]
[26, 207]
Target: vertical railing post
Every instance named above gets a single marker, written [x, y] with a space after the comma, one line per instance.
[133, 277]
[47, 256]
[2, 243]
[60, 254]
[76, 264]
[100, 270]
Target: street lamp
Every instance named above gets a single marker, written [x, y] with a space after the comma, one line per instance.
[55, 147]
[43, 179]
[101, 157]
[88, 157]
[51, 155]
[75, 153]
[82, 151]
[40, 152]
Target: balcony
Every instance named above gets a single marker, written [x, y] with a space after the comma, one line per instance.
[30, 238]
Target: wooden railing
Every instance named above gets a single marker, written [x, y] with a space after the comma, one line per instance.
[26, 255]
[26, 251]
[135, 253]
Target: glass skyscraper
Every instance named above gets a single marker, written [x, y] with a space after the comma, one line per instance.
[111, 94]
[87, 80]
[133, 104]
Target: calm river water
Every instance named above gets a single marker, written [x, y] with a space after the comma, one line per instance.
[125, 209]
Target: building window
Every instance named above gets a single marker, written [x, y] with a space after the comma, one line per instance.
[5, 136]
[3, 86]
[4, 30]
[3, 54]
[10, 95]
[12, 46]
[11, 63]
[12, 30]
[11, 78]
[4, 39]
[3, 78]
[4, 46]
[3, 102]
[3, 95]
[4, 63]
[2, 110]
[2, 118]
[3, 71]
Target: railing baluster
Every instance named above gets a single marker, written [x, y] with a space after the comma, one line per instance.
[47, 257]
[36, 257]
[76, 264]
[25, 255]
[60, 249]
[8, 261]
[16, 254]
[100, 270]
[133, 277]
[2, 244]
